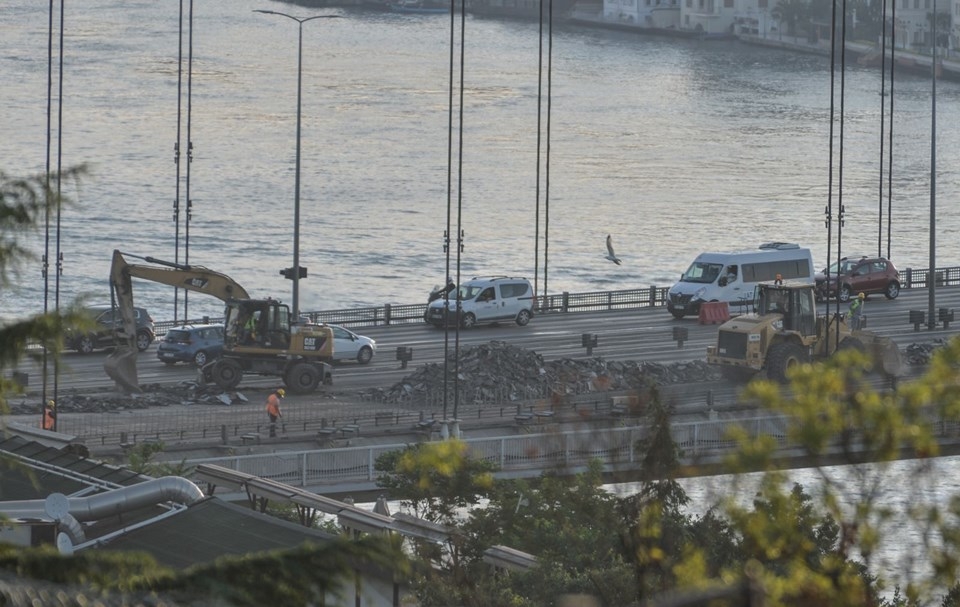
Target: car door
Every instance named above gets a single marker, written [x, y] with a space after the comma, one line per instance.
[344, 344]
[510, 302]
[487, 305]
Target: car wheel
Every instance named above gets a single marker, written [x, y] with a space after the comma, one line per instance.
[227, 374]
[844, 293]
[523, 318]
[678, 314]
[144, 339]
[200, 358]
[365, 355]
[85, 344]
[893, 289]
[302, 378]
[469, 321]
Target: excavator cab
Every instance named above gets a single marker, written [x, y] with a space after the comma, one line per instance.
[795, 304]
[256, 323]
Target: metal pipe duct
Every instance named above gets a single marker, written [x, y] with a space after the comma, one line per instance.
[118, 501]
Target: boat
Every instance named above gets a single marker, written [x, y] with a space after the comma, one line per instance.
[419, 6]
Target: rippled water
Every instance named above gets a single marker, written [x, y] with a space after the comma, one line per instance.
[673, 147]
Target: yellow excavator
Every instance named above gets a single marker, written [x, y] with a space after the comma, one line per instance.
[260, 338]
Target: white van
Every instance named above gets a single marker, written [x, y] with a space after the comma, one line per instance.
[732, 277]
[483, 300]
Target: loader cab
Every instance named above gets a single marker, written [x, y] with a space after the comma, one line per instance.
[794, 302]
[257, 323]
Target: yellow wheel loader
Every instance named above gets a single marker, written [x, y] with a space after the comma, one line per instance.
[784, 330]
[260, 337]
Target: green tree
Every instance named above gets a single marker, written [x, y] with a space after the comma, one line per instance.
[824, 551]
[24, 204]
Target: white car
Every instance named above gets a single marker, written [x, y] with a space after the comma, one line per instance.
[347, 345]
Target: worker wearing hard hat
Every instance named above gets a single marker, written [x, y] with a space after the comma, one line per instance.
[50, 416]
[856, 312]
[273, 409]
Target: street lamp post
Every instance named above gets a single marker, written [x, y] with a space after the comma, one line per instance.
[294, 273]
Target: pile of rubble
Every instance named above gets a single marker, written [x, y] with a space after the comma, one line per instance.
[497, 372]
[154, 395]
[920, 354]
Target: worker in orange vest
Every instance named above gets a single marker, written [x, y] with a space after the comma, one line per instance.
[50, 416]
[273, 409]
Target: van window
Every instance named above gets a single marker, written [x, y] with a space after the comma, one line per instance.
[513, 289]
[487, 295]
[768, 270]
[702, 272]
[468, 292]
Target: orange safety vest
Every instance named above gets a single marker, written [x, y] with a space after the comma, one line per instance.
[273, 405]
[49, 418]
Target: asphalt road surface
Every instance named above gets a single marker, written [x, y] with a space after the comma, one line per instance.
[643, 335]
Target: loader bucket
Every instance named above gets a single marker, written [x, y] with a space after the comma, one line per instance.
[121, 366]
[887, 353]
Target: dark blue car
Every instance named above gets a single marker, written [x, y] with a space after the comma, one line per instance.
[198, 344]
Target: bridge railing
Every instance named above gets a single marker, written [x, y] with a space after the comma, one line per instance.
[525, 454]
[590, 301]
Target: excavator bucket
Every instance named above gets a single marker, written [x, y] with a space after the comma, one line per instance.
[121, 366]
[887, 353]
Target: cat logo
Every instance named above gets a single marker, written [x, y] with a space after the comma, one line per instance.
[197, 283]
[313, 344]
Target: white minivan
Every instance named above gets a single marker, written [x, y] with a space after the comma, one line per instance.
[484, 300]
[732, 277]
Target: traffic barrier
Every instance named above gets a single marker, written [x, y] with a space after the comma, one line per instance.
[714, 312]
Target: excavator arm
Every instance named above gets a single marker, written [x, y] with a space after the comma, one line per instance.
[121, 365]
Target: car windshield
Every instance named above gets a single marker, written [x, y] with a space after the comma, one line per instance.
[845, 266]
[702, 272]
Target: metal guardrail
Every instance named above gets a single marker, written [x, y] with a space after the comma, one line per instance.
[591, 301]
[525, 454]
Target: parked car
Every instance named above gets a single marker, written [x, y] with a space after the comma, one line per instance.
[109, 330]
[348, 345]
[855, 275]
[198, 344]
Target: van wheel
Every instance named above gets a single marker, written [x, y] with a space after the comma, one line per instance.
[523, 318]
[469, 321]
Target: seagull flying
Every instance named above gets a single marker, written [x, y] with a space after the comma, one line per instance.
[610, 254]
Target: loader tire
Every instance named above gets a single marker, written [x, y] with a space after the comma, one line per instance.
[783, 356]
[227, 373]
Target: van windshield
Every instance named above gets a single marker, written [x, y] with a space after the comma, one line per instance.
[701, 272]
[468, 292]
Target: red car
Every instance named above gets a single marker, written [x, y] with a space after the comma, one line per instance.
[858, 275]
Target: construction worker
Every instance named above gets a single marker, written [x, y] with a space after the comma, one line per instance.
[50, 416]
[855, 314]
[273, 409]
